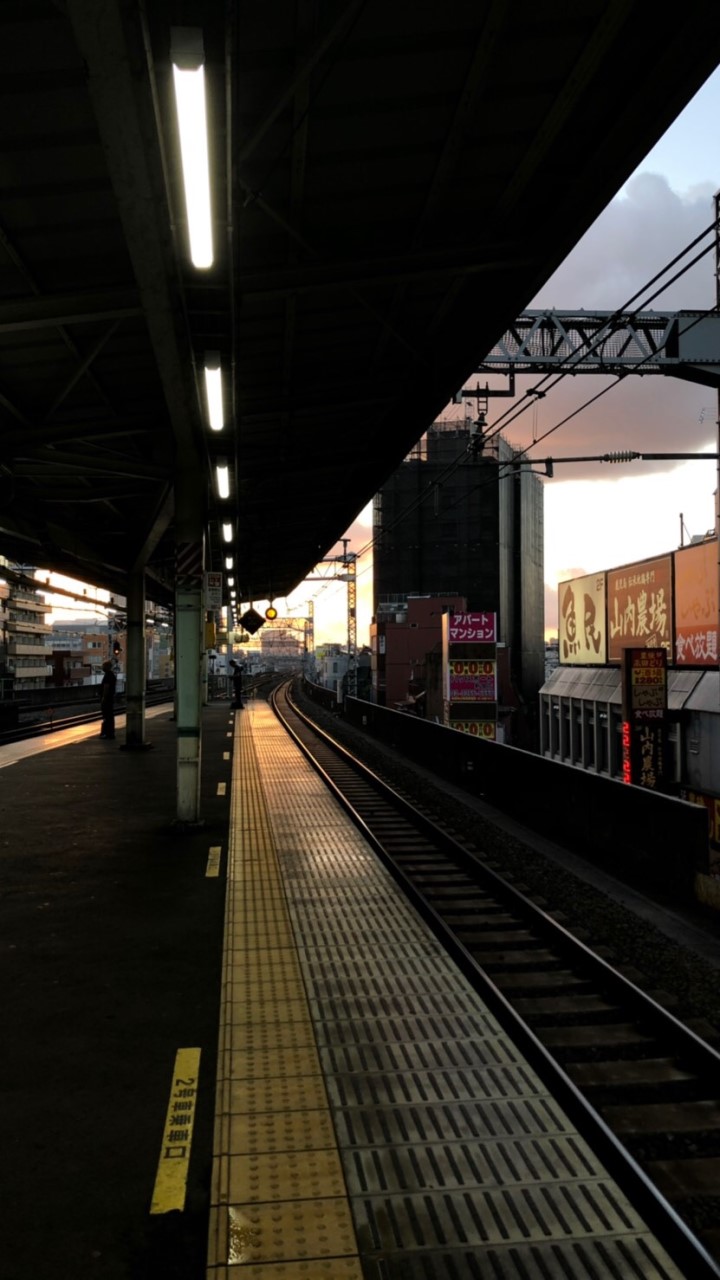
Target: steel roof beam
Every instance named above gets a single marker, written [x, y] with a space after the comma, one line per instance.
[116, 60]
[49, 312]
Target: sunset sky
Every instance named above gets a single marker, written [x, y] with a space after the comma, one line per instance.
[598, 516]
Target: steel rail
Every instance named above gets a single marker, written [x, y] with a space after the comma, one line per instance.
[661, 1215]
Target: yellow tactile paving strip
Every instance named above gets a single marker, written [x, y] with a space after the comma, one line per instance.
[279, 1204]
[369, 1105]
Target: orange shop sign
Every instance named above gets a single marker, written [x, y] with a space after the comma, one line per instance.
[696, 605]
[639, 603]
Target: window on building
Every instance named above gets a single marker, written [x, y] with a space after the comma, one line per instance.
[565, 725]
[603, 756]
[589, 735]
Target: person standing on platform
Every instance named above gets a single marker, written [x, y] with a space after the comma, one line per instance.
[107, 700]
[237, 679]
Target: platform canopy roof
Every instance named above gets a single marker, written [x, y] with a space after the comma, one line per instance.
[392, 181]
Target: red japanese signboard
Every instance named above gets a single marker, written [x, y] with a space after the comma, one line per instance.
[472, 628]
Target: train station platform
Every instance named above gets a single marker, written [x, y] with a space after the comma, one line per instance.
[373, 1120]
[236, 1051]
[110, 962]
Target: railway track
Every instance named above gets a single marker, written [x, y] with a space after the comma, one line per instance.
[41, 727]
[260, 686]
[643, 1088]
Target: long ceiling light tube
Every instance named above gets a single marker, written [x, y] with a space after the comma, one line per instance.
[188, 56]
[227, 533]
[214, 391]
[222, 475]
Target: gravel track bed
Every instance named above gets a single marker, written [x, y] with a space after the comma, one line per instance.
[677, 977]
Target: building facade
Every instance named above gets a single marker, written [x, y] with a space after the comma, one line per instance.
[25, 654]
[465, 520]
[403, 638]
[669, 602]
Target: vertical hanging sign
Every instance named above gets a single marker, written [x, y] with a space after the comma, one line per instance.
[470, 672]
[213, 591]
[644, 693]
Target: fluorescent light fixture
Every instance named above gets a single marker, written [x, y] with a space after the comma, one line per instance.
[231, 582]
[228, 562]
[223, 479]
[188, 56]
[214, 390]
[227, 532]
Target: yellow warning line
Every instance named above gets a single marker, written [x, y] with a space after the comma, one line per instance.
[172, 1171]
[213, 862]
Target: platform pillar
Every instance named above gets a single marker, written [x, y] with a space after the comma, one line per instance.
[189, 561]
[135, 672]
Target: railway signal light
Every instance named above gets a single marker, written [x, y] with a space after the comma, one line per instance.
[252, 621]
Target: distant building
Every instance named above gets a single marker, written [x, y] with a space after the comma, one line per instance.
[331, 664]
[160, 651]
[79, 649]
[25, 655]
[552, 657]
[402, 638]
[329, 669]
[464, 519]
[282, 648]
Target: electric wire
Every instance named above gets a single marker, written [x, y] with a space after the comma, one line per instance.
[573, 358]
[580, 352]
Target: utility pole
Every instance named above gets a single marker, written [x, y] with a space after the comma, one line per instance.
[350, 565]
[348, 560]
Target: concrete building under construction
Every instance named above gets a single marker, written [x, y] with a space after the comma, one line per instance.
[462, 517]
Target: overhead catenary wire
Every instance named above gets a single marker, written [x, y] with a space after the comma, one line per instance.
[583, 349]
[515, 411]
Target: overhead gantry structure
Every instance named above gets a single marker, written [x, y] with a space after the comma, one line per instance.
[389, 185]
[680, 344]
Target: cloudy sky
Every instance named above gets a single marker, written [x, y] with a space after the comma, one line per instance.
[604, 515]
[598, 516]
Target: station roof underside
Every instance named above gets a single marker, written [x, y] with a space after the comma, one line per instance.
[392, 183]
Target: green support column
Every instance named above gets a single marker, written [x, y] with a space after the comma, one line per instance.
[205, 671]
[135, 669]
[188, 642]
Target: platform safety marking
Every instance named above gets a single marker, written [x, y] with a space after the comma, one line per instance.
[213, 862]
[221, 788]
[172, 1172]
[226, 755]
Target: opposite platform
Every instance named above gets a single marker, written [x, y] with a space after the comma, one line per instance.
[373, 1118]
[110, 963]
